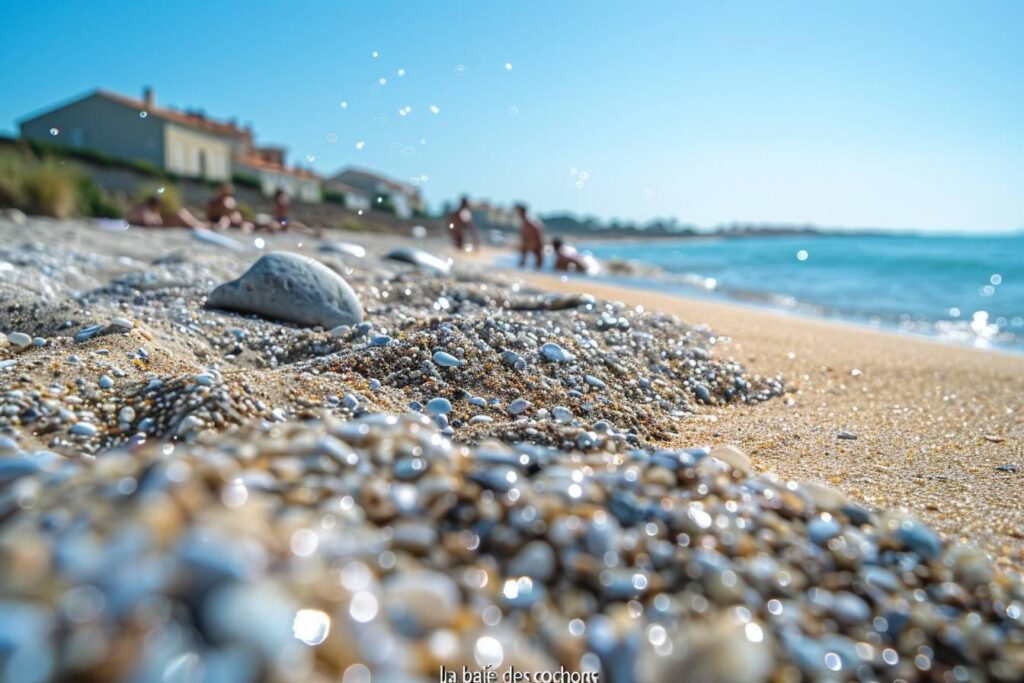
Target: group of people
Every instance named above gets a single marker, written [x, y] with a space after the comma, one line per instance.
[465, 236]
[222, 212]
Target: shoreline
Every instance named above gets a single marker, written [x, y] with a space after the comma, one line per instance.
[627, 283]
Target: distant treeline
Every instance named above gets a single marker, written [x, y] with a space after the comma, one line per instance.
[666, 227]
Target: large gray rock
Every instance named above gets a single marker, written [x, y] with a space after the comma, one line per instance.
[421, 259]
[291, 287]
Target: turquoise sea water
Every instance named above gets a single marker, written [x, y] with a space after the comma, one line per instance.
[963, 289]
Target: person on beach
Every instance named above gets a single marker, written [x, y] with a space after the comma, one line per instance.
[460, 222]
[150, 214]
[282, 204]
[531, 238]
[223, 213]
[567, 258]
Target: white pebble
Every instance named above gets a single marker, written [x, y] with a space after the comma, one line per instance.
[19, 339]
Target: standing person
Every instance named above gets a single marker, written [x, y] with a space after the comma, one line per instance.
[531, 238]
[460, 222]
[282, 205]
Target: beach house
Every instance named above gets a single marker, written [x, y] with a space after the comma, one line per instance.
[404, 198]
[186, 143]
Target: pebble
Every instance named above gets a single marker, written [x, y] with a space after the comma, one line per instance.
[446, 360]
[439, 406]
[421, 259]
[19, 339]
[380, 340]
[702, 393]
[83, 429]
[562, 415]
[342, 248]
[106, 382]
[291, 287]
[848, 436]
[518, 406]
[556, 353]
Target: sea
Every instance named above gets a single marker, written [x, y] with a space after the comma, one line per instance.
[957, 288]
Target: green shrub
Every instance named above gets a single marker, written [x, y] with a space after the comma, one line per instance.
[246, 180]
[334, 197]
[12, 194]
[386, 204]
[93, 201]
[51, 189]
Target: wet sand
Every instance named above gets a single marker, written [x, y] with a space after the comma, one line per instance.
[933, 422]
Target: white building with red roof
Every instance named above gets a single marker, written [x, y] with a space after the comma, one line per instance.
[185, 143]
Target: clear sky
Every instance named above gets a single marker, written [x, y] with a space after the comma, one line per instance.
[869, 113]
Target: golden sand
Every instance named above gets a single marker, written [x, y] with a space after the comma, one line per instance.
[932, 421]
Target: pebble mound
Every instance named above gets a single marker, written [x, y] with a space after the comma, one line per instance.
[374, 547]
[139, 339]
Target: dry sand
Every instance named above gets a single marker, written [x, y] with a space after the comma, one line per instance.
[932, 421]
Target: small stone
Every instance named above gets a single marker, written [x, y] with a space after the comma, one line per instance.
[920, 539]
[106, 382]
[536, 559]
[343, 249]
[439, 406]
[702, 392]
[19, 339]
[556, 354]
[380, 340]
[83, 429]
[847, 436]
[291, 287]
[1008, 467]
[446, 360]
[594, 382]
[518, 406]
[421, 600]
[734, 457]
[122, 322]
[562, 415]
[421, 259]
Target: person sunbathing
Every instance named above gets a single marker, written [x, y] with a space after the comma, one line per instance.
[223, 213]
[151, 214]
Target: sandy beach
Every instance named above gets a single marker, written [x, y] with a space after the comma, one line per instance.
[933, 422]
[286, 458]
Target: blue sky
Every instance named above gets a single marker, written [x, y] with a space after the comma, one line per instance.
[886, 114]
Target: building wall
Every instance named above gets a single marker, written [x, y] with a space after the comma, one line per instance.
[98, 123]
[196, 154]
[304, 189]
